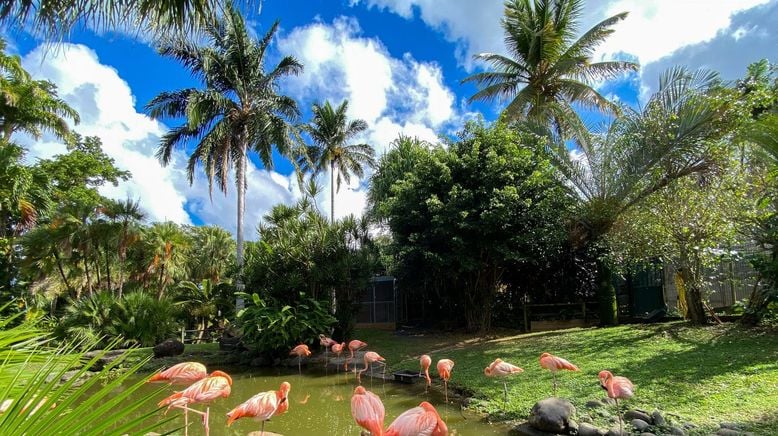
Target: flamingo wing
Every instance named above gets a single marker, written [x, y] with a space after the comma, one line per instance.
[412, 422]
[621, 387]
[368, 411]
[505, 368]
[185, 372]
[261, 406]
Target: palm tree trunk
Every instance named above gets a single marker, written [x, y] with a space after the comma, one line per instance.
[121, 274]
[332, 191]
[62, 271]
[88, 277]
[606, 293]
[241, 182]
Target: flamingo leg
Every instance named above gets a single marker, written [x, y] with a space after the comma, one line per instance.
[299, 369]
[186, 422]
[262, 430]
[618, 413]
[445, 388]
[554, 374]
[505, 386]
[206, 419]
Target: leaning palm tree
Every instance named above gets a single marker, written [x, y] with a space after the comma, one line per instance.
[330, 131]
[240, 109]
[547, 70]
[675, 135]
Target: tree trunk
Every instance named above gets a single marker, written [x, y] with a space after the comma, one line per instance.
[332, 191]
[62, 272]
[241, 185]
[88, 277]
[606, 293]
[107, 272]
[693, 297]
[121, 274]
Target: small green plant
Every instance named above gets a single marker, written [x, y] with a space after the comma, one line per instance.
[272, 329]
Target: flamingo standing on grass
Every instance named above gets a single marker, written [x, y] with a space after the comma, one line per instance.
[554, 364]
[425, 361]
[182, 373]
[370, 358]
[353, 347]
[216, 385]
[262, 406]
[501, 369]
[300, 351]
[617, 387]
[421, 420]
[326, 342]
[444, 371]
[368, 411]
[337, 349]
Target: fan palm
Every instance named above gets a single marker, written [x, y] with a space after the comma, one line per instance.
[127, 214]
[675, 135]
[167, 248]
[330, 131]
[239, 110]
[213, 253]
[547, 69]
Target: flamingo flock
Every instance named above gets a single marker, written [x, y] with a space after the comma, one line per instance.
[367, 409]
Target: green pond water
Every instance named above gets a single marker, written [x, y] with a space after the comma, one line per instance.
[320, 404]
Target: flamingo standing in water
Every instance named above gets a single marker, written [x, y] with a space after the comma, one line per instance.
[353, 347]
[182, 373]
[501, 369]
[216, 385]
[425, 361]
[617, 387]
[368, 411]
[337, 349]
[300, 351]
[326, 342]
[554, 364]
[370, 358]
[421, 420]
[262, 406]
[444, 371]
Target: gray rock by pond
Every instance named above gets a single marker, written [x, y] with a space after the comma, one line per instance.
[729, 425]
[658, 418]
[589, 430]
[615, 432]
[640, 425]
[677, 431]
[552, 415]
[594, 404]
[168, 348]
[524, 429]
[637, 414]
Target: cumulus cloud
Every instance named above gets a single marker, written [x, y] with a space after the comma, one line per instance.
[394, 95]
[107, 108]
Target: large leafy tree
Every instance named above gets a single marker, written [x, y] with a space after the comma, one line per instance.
[331, 131]
[238, 111]
[676, 134]
[547, 70]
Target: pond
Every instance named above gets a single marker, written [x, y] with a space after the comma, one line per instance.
[320, 404]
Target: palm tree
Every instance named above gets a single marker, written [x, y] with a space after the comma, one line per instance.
[127, 215]
[166, 247]
[212, 254]
[547, 69]
[330, 130]
[641, 152]
[239, 110]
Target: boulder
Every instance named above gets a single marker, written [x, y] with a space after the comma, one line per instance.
[525, 429]
[594, 404]
[658, 418]
[589, 430]
[615, 432]
[552, 415]
[729, 425]
[677, 431]
[640, 425]
[637, 414]
[168, 348]
[609, 401]
[728, 432]
[645, 433]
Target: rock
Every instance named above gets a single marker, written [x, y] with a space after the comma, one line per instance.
[525, 429]
[67, 376]
[586, 419]
[637, 414]
[658, 418]
[640, 425]
[647, 434]
[168, 348]
[572, 427]
[589, 430]
[230, 343]
[594, 404]
[677, 431]
[609, 401]
[729, 425]
[552, 415]
[615, 432]
[728, 432]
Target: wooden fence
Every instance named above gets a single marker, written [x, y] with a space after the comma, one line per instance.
[200, 336]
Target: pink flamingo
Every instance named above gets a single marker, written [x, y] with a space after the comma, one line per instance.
[337, 349]
[370, 357]
[444, 371]
[182, 373]
[617, 387]
[216, 385]
[368, 411]
[554, 364]
[498, 368]
[262, 406]
[300, 351]
[353, 347]
[425, 361]
[326, 342]
[421, 420]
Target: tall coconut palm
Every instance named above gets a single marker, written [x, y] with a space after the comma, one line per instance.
[547, 70]
[240, 109]
[330, 131]
[674, 135]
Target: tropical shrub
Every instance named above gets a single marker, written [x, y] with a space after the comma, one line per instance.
[271, 328]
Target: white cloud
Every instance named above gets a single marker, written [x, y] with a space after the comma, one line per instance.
[394, 95]
[107, 109]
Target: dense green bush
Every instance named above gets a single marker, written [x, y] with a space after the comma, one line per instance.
[136, 318]
[271, 328]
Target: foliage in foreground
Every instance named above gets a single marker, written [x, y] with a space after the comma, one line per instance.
[706, 375]
[30, 376]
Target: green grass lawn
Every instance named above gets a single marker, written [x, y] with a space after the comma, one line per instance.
[704, 375]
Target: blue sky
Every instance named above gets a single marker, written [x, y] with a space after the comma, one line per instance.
[399, 62]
